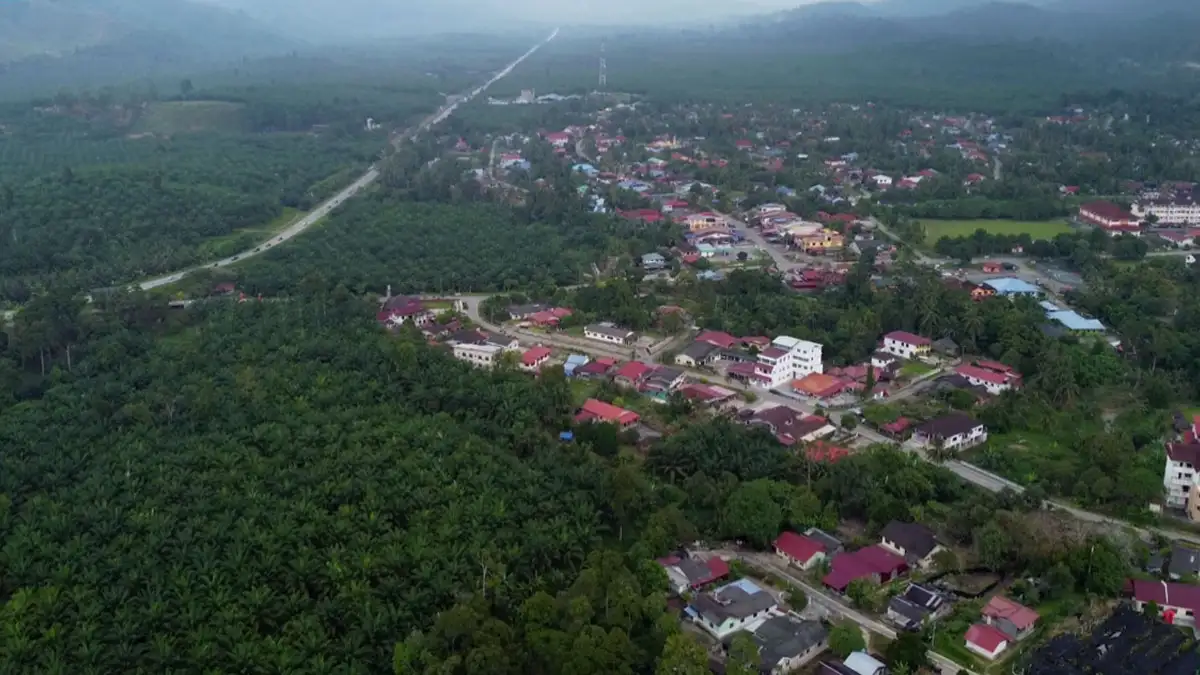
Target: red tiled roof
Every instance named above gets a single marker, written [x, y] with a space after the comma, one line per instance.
[1106, 210]
[773, 352]
[908, 338]
[897, 426]
[1000, 607]
[1184, 452]
[986, 637]
[534, 355]
[862, 564]
[633, 371]
[718, 338]
[995, 365]
[798, 546]
[975, 372]
[820, 451]
[818, 385]
[1167, 594]
[607, 412]
[756, 340]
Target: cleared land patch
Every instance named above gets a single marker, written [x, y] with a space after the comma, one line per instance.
[1037, 229]
[179, 117]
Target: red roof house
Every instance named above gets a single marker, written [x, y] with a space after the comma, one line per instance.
[985, 640]
[718, 338]
[1109, 216]
[595, 410]
[743, 144]
[820, 451]
[1010, 616]
[873, 563]
[535, 357]
[631, 373]
[799, 550]
[644, 215]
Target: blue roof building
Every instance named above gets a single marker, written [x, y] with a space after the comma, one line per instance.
[586, 169]
[1012, 286]
[574, 361]
[1072, 320]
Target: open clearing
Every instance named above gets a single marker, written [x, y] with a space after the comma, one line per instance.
[178, 117]
[1037, 229]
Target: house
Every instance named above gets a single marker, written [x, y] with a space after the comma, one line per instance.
[549, 318]
[992, 268]
[831, 543]
[786, 643]
[913, 608]
[643, 215]
[722, 340]
[1075, 322]
[686, 573]
[653, 261]
[400, 310]
[609, 332]
[905, 345]
[662, 379]
[1185, 562]
[482, 355]
[1009, 286]
[697, 354]
[946, 347]
[574, 361]
[819, 386]
[707, 394]
[986, 641]
[954, 431]
[631, 374]
[1110, 217]
[1013, 619]
[698, 222]
[595, 410]
[996, 378]
[558, 139]
[822, 452]
[534, 358]
[914, 541]
[799, 550]
[874, 564]
[1178, 603]
[738, 606]
[595, 369]
[882, 181]
[883, 361]
[523, 312]
[789, 426]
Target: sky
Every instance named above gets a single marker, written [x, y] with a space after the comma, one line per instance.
[381, 16]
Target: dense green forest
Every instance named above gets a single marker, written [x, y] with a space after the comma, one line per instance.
[283, 487]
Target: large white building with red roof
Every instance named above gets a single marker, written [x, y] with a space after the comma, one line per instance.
[995, 377]
[905, 345]
[1110, 217]
[786, 359]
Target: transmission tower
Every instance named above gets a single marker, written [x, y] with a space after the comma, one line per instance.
[603, 68]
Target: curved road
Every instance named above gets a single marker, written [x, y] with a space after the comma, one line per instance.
[366, 179]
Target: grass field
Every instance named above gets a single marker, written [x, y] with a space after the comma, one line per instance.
[915, 369]
[177, 117]
[1038, 229]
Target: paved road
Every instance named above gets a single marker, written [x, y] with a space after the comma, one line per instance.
[754, 236]
[307, 221]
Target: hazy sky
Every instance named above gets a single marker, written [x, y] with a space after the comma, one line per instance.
[377, 14]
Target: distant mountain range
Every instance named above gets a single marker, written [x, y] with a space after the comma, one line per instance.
[63, 28]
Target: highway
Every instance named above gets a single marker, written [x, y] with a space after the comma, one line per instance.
[308, 220]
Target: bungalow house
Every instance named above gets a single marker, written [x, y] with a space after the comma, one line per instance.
[986, 641]
[401, 310]
[481, 355]
[819, 386]
[653, 262]
[785, 643]
[915, 542]
[1012, 618]
[738, 606]
[799, 550]
[522, 312]
[549, 318]
[631, 374]
[884, 361]
[686, 573]
[917, 605]
[574, 361]
[788, 425]
[954, 431]
[697, 354]
[857, 663]
[874, 564]
[662, 380]
[719, 339]
[595, 369]
[534, 358]
[707, 394]
[1178, 603]
[558, 139]
[595, 410]
[993, 376]
[905, 345]
[609, 332]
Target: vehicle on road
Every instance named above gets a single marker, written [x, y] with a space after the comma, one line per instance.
[1009, 267]
[234, 258]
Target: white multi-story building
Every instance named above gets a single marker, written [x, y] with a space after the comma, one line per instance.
[482, 355]
[905, 345]
[787, 359]
[1179, 475]
[1180, 210]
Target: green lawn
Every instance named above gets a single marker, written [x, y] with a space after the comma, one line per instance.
[177, 117]
[1038, 229]
[915, 369]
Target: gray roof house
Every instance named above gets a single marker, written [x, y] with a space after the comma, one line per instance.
[731, 608]
[1185, 561]
[653, 261]
[917, 604]
[697, 354]
[786, 643]
[831, 543]
[915, 542]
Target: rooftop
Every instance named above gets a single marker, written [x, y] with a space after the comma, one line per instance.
[1000, 607]
[907, 338]
[916, 539]
[1011, 286]
[947, 426]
